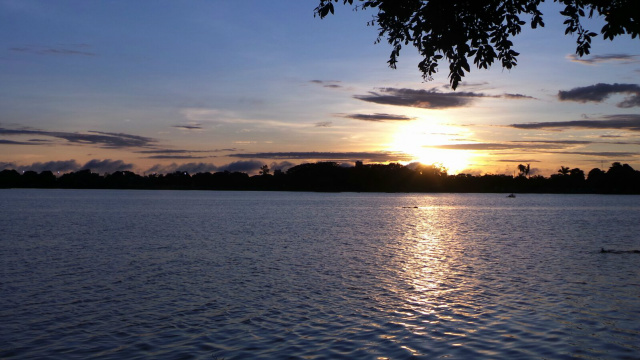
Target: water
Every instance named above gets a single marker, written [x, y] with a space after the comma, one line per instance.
[254, 275]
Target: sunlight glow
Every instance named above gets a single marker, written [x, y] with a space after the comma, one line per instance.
[414, 139]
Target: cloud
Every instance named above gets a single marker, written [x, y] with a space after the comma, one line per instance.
[323, 124]
[43, 50]
[7, 166]
[283, 165]
[54, 166]
[182, 151]
[622, 121]
[191, 168]
[595, 59]
[564, 142]
[583, 142]
[11, 142]
[107, 166]
[113, 140]
[177, 157]
[248, 166]
[95, 165]
[103, 139]
[429, 99]
[498, 146]
[381, 156]
[519, 160]
[517, 96]
[189, 127]
[542, 145]
[425, 99]
[328, 84]
[378, 117]
[599, 92]
[600, 153]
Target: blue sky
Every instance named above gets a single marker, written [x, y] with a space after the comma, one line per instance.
[213, 85]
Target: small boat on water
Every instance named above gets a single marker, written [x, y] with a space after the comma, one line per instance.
[512, 195]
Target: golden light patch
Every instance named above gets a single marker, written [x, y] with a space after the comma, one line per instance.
[417, 139]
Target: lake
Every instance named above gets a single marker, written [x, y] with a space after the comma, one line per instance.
[115, 274]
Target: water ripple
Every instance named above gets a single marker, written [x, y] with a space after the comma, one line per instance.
[208, 275]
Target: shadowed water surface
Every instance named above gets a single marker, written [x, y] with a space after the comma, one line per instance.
[239, 275]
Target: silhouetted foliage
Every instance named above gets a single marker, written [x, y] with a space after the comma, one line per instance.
[459, 30]
[9, 178]
[331, 176]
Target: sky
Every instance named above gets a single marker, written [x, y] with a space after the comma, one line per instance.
[163, 86]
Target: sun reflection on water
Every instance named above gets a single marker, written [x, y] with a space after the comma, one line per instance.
[436, 293]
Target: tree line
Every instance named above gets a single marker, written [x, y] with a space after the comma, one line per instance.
[332, 177]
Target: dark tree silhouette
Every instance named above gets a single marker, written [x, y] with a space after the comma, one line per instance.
[522, 170]
[481, 29]
[576, 173]
[331, 176]
[264, 170]
[564, 170]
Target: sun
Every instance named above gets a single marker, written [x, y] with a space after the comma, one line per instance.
[419, 140]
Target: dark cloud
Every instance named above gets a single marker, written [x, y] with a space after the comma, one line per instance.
[323, 124]
[95, 165]
[248, 166]
[581, 142]
[54, 166]
[425, 99]
[43, 50]
[188, 127]
[98, 138]
[182, 151]
[283, 165]
[621, 142]
[604, 58]
[563, 142]
[191, 168]
[378, 117]
[328, 84]
[333, 156]
[177, 157]
[496, 146]
[107, 166]
[623, 121]
[601, 153]
[7, 166]
[533, 145]
[168, 151]
[429, 99]
[115, 140]
[599, 92]
[11, 142]
[517, 96]
[519, 161]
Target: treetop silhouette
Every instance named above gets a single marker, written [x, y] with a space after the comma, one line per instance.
[458, 30]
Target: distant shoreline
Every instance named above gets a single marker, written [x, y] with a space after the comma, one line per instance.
[331, 177]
